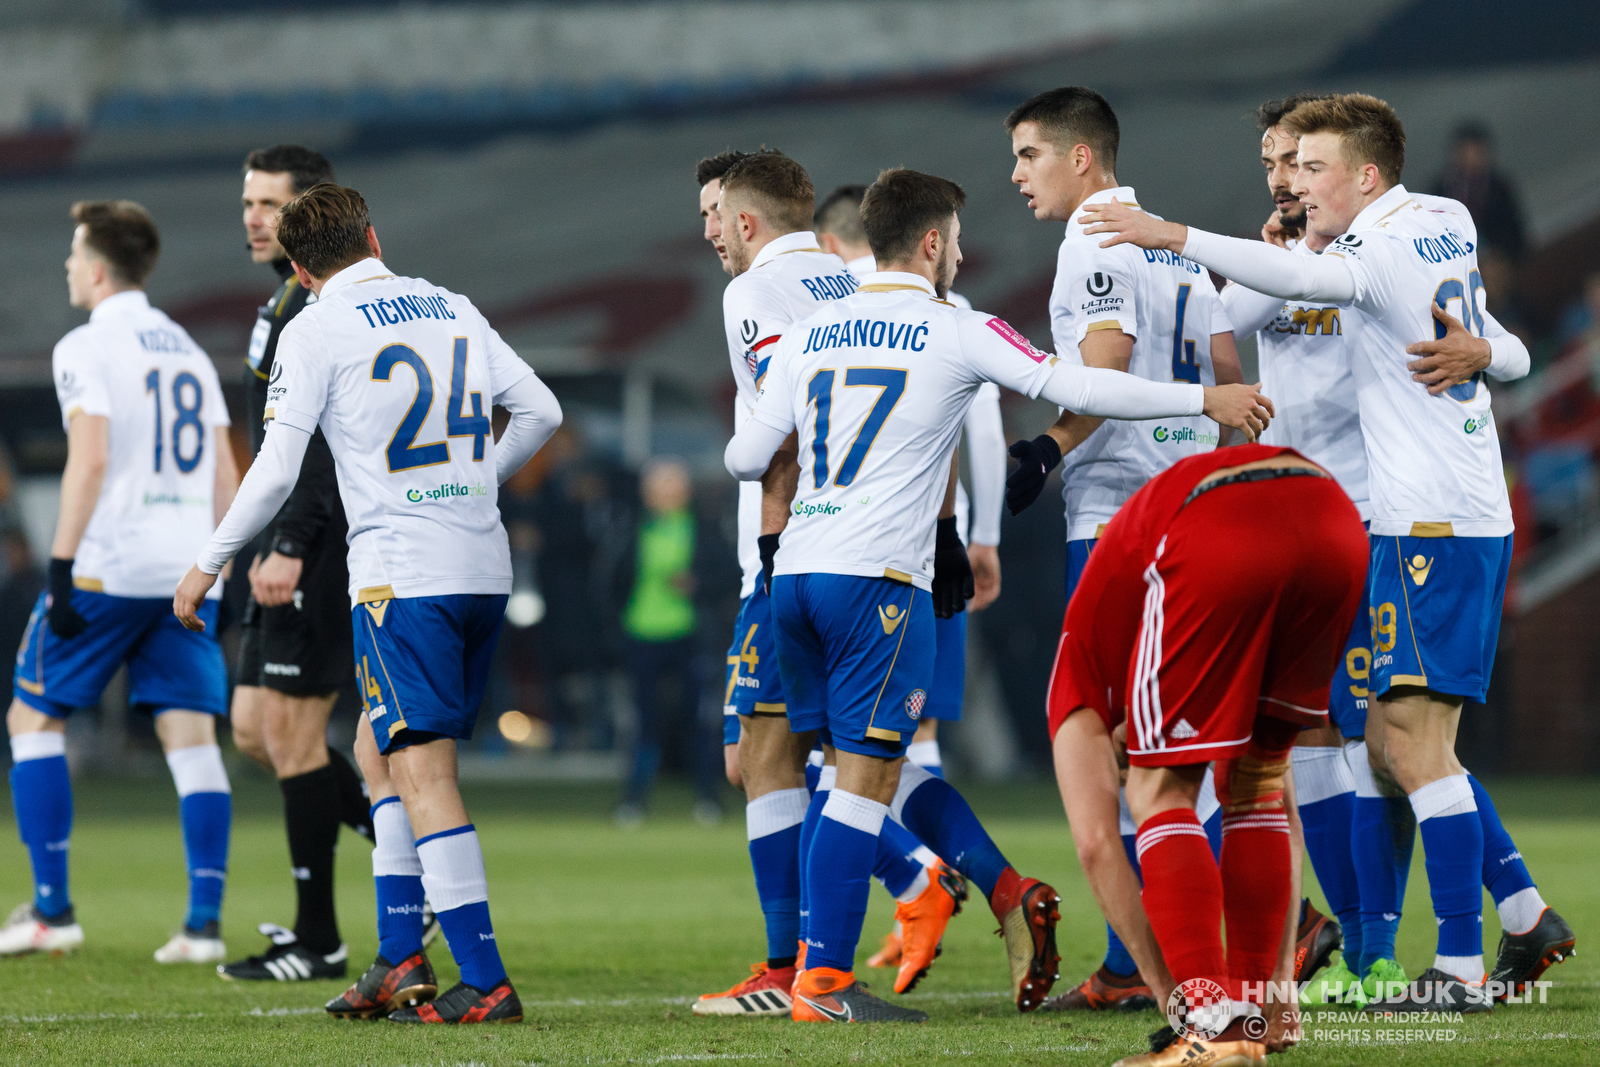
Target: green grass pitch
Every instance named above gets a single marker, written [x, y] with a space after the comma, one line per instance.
[609, 933]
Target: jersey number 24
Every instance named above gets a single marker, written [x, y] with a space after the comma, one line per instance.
[403, 453]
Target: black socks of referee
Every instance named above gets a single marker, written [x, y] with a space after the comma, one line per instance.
[355, 807]
[312, 812]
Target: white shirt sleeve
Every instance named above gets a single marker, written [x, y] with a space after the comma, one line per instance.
[750, 452]
[1101, 289]
[995, 352]
[1114, 394]
[1249, 311]
[265, 487]
[506, 368]
[535, 415]
[216, 403]
[1508, 359]
[80, 383]
[986, 457]
[755, 318]
[1271, 270]
[297, 392]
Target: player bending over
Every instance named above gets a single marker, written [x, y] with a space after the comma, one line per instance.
[1214, 632]
[854, 577]
[149, 472]
[1441, 516]
[430, 568]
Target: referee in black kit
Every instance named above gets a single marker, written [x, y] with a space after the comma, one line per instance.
[295, 648]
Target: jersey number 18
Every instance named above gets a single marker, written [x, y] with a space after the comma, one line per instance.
[185, 386]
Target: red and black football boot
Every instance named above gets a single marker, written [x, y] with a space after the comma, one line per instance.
[467, 1004]
[387, 987]
[1316, 940]
[1104, 990]
[1524, 957]
[1028, 911]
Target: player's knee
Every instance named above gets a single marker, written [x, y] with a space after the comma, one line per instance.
[22, 719]
[1252, 781]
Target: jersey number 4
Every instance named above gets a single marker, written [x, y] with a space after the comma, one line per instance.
[185, 387]
[892, 384]
[403, 453]
[1185, 368]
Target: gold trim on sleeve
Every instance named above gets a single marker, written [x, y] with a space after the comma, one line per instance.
[1103, 324]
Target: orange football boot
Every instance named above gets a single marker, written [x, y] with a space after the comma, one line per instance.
[922, 922]
[889, 953]
[826, 995]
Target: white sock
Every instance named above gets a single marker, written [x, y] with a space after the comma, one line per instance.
[1320, 773]
[394, 849]
[914, 890]
[1520, 912]
[452, 868]
[198, 769]
[1466, 968]
[924, 753]
[925, 855]
[773, 812]
[41, 744]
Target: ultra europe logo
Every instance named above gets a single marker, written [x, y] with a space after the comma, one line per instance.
[1183, 435]
[446, 492]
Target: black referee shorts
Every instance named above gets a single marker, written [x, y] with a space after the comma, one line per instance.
[304, 647]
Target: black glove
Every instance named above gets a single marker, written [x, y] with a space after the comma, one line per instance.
[64, 618]
[768, 544]
[1035, 460]
[952, 574]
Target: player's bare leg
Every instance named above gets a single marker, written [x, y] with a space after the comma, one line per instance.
[189, 739]
[247, 716]
[43, 793]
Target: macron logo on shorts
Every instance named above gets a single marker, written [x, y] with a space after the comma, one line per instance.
[288, 670]
[1016, 340]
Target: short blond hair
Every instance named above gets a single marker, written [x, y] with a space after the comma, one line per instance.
[1369, 130]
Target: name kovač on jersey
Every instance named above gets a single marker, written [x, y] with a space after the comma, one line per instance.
[786, 281]
[140, 370]
[1170, 308]
[1430, 459]
[401, 375]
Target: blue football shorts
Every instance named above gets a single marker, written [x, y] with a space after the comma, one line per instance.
[422, 664]
[1434, 606]
[857, 658]
[169, 667]
[752, 685]
[1352, 678]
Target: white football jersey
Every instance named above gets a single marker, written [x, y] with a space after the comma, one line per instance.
[878, 385]
[1304, 352]
[142, 371]
[986, 448]
[401, 375]
[1430, 459]
[786, 281]
[1170, 308]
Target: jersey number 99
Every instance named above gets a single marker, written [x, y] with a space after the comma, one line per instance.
[403, 453]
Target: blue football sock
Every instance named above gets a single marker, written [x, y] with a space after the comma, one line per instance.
[808, 834]
[453, 878]
[205, 808]
[773, 824]
[207, 818]
[470, 935]
[838, 873]
[895, 863]
[941, 819]
[1327, 797]
[397, 878]
[1452, 848]
[41, 796]
[1382, 835]
[1504, 872]
[813, 776]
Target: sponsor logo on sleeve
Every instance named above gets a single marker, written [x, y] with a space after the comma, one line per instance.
[1016, 340]
[748, 330]
[1098, 284]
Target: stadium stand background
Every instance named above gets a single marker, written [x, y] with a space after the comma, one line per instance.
[537, 157]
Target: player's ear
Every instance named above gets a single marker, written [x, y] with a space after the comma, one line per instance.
[372, 242]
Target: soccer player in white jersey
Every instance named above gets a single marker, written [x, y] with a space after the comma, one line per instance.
[430, 569]
[876, 386]
[1156, 317]
[764, 207]
[149, 472]
[977, 524]
[1441, 517]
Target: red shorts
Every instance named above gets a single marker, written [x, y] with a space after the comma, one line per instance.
[1244, 610]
